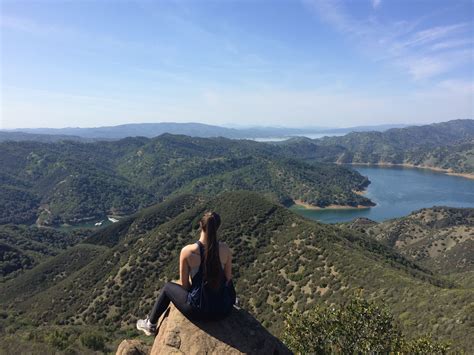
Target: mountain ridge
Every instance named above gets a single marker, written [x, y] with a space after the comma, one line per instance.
[151, 130]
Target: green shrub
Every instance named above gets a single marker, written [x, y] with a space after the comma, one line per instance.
[93, 341]
[425, 345]
[359, 326]
[58, 339]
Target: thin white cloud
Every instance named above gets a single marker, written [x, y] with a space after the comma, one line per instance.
[424, 67]
[22, 24]
[423, 53]
[434, 34]
[450, 44]
[458, 86]
[376, 3]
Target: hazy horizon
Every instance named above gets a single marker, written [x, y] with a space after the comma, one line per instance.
[224, 125]
[294, 63]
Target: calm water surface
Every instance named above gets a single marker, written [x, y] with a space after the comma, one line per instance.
[398, 191]
[307, 135]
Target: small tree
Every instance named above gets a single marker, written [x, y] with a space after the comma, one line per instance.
[58, 339]
[359, 326]
[93, 341]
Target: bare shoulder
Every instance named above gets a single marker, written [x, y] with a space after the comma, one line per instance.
[223, 247]
[189, 249]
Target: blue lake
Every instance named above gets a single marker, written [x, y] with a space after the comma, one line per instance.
[397, 191]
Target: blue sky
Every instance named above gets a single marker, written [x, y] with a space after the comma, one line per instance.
[287, 63]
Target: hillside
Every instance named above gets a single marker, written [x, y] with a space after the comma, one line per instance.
[447, 146]
[282, 261]
[73, 182]
[458, 158]
[439, 238]
[388, 142]
[24, 247]
[76, 183]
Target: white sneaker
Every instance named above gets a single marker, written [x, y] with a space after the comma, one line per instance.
[146, 326]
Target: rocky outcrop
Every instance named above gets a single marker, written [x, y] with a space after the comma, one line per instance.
[132, 347]
[238, 333]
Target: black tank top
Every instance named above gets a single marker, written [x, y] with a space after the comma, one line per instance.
[210, 301]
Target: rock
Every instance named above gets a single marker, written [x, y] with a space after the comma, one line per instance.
[132, 347]
[238, 333]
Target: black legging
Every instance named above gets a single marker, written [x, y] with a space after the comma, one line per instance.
[172, 292]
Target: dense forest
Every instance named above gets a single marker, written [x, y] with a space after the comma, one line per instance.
[283, 262]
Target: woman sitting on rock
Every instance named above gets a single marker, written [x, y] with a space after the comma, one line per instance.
[211, 294]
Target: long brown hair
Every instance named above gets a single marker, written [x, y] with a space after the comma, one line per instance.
[209, 223]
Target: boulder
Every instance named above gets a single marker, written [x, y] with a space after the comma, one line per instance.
[132, 347]
[237, 334]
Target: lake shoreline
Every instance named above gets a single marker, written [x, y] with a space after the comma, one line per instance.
[412, 166]
[309, 206]
[398, 192]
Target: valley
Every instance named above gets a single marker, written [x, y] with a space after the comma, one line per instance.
[282, 261]
[63, 278]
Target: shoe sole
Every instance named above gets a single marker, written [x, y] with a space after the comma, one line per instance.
[148, 333]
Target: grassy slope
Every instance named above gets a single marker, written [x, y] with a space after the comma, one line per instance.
[23, 247]
[440, 238]
[281, 261]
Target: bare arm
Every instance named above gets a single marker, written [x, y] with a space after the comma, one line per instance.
[184, 269]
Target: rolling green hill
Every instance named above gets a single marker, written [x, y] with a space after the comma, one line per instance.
[282, 262]
[433, 135]
[24, 247]
[448, 146]
[73, 182]
[57, 285]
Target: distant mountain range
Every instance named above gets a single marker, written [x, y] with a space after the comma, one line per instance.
[151, 130]
[16, 136]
